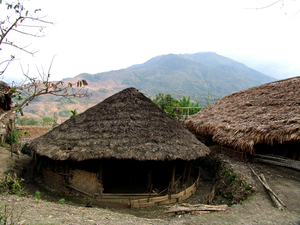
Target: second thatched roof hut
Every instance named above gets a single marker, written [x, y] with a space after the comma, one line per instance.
[127, 136]
[265, 117]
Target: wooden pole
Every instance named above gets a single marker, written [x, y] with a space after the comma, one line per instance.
[181, 113]
[173, 177]
[267, 187]
[11, 137]
[101, 173]
[149, 180]
[276, 202]
[150, 192]
[189, 173]
[184, 174]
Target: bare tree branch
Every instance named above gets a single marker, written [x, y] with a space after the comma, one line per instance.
[31, 87]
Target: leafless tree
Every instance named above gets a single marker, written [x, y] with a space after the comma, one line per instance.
[22, 22]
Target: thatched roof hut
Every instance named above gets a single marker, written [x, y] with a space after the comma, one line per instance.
[5, 102]
[127, 136]
[268, 114]
[28, 133]
[126, 125]
[5, 96]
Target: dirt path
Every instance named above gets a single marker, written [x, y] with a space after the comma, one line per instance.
[257, 209]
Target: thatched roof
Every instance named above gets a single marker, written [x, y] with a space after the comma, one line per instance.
[126, 125]
[32, 131]
[267, 113]
[5, 102]
[5, 97]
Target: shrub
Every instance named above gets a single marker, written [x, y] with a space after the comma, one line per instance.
[25, 150]
[65, 113]
[33, 122]
[38, 194]
[15, 137]
[11, 184]
[47, 121]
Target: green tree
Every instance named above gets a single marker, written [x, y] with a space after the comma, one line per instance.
[166, 103]
[23, 121]
[47, 121]
[172, 106]
[186, 102]
[33, 122]
[74, 113]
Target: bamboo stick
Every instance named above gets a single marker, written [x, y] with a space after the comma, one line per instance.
[274, 199]
[266, 186]
[199, 207]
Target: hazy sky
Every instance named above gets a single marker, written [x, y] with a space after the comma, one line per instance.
[95, 36]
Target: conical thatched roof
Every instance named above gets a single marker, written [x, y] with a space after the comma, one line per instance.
[126, 125]
[267, 113]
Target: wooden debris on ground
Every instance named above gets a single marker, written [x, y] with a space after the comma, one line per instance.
[199, 207]
[278, 161]
[210, 197]
[278, 204]
[275, 199]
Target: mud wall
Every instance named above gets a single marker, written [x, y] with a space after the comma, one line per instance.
[85, 181]
[55, 181]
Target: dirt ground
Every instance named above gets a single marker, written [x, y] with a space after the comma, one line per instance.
[257, 209]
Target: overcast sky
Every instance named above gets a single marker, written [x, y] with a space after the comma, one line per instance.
[96, 36]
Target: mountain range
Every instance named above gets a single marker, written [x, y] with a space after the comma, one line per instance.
[195, 75]
[203, 76]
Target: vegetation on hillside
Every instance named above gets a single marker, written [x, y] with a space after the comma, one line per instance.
[174, 107]
[184, 75]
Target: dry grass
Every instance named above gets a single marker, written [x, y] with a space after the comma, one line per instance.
[267, 113]
[126, 125]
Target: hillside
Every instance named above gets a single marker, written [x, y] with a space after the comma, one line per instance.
[193, 75]
[203, 76]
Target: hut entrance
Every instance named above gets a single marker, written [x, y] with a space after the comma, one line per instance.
[131, 176]
[124, 176]
[288, 149]
[114, 176]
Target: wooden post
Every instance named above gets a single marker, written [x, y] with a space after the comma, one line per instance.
[173, 176]
[149, 180]
[189, 173]
[184, 174]
[150, 192]
[67, 172]
[11, 137]
[101, 174]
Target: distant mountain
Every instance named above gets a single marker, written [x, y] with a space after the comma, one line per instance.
[279, 69]
[203, 76]
[193, 75]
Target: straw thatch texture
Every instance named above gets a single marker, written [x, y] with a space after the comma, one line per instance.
[5, 102]
[126, 125]
[28, 133]
[267, 114]
[5, 97]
